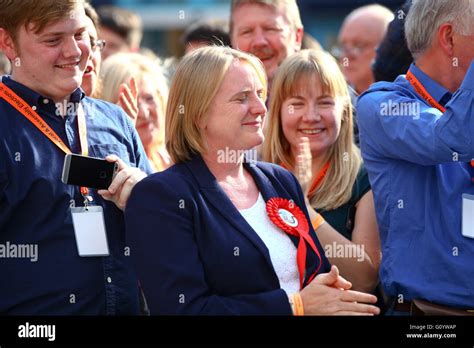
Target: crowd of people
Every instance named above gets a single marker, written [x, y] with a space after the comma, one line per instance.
[259, 175]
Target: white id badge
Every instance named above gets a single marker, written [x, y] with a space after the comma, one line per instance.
[468, 215]
[89, 227]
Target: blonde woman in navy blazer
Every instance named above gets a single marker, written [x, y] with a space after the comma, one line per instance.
[202, 234]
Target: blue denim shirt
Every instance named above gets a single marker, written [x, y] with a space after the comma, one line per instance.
[418, 165]
[35, 210]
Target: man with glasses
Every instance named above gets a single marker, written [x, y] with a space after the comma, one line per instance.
[90, 80]
[360, 34]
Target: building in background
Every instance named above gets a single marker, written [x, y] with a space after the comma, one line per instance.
[164, 21]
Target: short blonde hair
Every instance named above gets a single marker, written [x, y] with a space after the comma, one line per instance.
[345, 160]
[197, 79]
[289, 8]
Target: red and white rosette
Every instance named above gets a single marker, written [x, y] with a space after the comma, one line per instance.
[286, 215]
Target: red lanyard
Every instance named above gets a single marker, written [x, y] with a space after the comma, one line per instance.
[420, 89]
[22, 106]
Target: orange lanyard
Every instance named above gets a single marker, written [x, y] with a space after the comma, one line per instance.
[420, 89]
[22, 106]
[19, 104]
[319, 178]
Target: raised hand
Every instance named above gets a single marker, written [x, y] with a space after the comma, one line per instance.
[128, 99]
[303, 165]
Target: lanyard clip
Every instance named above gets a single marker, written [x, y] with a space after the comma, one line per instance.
[87, 198]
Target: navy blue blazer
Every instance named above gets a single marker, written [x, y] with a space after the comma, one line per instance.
[194, 252]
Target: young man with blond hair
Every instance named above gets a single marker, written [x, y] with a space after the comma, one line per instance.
[44, 114]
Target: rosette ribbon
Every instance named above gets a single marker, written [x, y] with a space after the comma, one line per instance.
[285, 214]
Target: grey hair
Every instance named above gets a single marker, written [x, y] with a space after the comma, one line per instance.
[426, 16]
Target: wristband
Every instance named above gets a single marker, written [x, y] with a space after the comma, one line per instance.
[297, 304]
[317, 221]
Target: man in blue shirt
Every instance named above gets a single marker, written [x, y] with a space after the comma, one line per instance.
[48, 44]
[417, 141]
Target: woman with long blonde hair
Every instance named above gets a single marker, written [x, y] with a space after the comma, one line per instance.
[311, 134]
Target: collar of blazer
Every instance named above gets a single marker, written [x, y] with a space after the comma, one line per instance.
[219, 200]
[206, 179]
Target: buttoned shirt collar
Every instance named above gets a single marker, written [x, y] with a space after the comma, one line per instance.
[438, 92]
[35, 99]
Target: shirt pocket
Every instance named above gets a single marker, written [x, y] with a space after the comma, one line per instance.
[103, 150]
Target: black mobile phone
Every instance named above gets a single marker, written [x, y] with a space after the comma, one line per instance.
[88, 171]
